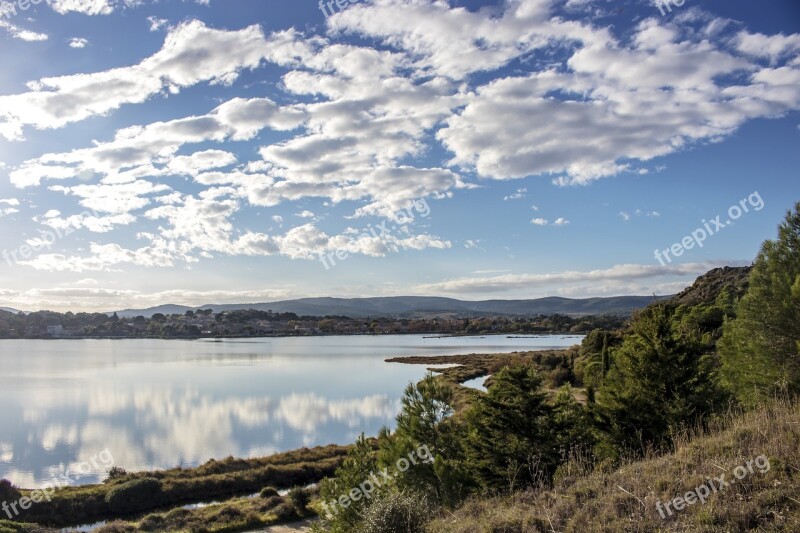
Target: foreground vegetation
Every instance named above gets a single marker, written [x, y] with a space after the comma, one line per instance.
[525, 457]
[587, 497]
[133, 495]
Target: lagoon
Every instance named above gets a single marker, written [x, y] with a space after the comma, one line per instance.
[162, 403]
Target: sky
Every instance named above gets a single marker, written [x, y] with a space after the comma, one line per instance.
[208, 151]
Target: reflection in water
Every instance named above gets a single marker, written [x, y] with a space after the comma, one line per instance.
[158, 428]
[159, 404]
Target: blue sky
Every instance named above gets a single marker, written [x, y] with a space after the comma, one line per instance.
[208, 152]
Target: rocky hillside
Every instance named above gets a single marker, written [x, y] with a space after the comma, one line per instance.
[708, 286]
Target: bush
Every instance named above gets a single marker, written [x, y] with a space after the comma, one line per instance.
[285, 512]
[269, 492]
[134, 496]
[300, 498]
[116, 527]
[269, 504]
[15, 527]
[8, 492]
[398, 512]
[115, 473]
[152, 522]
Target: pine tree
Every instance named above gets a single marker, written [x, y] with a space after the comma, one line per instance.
[759, 349]
[510, 442]
[426, 420]
[659, 381]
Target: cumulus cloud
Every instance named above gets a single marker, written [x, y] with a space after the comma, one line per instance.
[192, 53]
[78, 42]
[86, 7]
[624, 274]
[357, 119]
[22, 34]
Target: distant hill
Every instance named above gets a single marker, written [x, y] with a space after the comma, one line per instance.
[420, 306]
[10, 310]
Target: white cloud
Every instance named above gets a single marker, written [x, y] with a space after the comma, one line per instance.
[625, 274]
[86, 7]
[772, 47]
[22, 34]
[78, 42]
[156, 23]
[539, 221]
[192, 53]
[8, 206]
[518, 195]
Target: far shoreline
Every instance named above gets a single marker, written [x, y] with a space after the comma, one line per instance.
[427, 335]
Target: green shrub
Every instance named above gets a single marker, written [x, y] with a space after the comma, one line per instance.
[398, 512]
[269, 492]
[285, 512]
[115, 473]
[300, 498]
[8, 492]
[134, 496]
[269, 504]
[116, 527]
[152, 522]
[15, 527]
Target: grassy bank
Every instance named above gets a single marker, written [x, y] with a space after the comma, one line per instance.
[120, 497]
[585, 498]
[555, 367]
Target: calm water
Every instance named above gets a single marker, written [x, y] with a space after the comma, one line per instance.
[158, 404]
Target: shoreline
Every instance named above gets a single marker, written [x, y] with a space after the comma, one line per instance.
[232, 337]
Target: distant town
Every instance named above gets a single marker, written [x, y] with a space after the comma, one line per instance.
[252, 323]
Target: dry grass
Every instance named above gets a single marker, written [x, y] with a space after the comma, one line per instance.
[624, 499]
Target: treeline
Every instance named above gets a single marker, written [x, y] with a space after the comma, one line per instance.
[676, 367]
[254, 323]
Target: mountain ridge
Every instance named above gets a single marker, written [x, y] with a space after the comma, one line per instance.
[416, 306]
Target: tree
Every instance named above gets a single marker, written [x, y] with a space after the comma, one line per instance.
[426, 419]
[660, 381]
[342, 515]
[510, 442]
[759, 349]
[571, 424]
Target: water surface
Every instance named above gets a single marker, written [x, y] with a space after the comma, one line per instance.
[163, 403]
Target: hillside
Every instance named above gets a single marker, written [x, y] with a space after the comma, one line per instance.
[418, 306]
[707, 287]
[625, 499]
